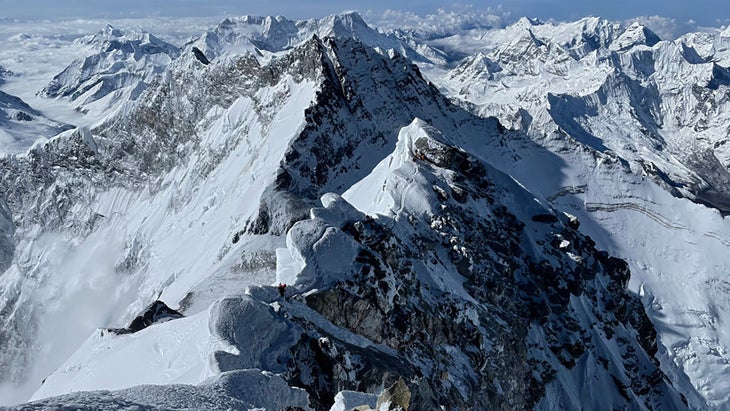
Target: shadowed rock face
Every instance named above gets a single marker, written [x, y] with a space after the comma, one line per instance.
[7, 244]
[200, 56]
[512, 293]
[155, 313]
[717, 192]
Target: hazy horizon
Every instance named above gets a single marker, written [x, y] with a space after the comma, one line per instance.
[698, 12]
[669, 19]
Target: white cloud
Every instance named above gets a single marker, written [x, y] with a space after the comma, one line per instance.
[443, 21]
[457, 18]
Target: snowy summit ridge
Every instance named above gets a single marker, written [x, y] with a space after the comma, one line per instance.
[482, 218]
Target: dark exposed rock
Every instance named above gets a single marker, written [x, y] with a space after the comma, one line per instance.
[156, 312]
[200, 56]
[544, 218]
[22, 116]
[387, 301]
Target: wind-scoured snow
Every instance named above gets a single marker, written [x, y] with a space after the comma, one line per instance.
[107, 361]
[239, 390]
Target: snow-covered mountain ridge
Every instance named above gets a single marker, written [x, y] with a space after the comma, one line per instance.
[656, 104]
[120, 65]
[655, 108]
[315, 154]
[272, 34]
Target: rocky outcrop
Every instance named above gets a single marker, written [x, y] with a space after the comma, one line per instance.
[200, 56]
[156, 312]
[526, 319]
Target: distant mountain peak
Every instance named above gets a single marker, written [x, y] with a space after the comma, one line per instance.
[635, 34]
[119, 66]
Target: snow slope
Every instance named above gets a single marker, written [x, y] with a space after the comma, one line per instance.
[104, 232]
[151, 356]
[21, 125]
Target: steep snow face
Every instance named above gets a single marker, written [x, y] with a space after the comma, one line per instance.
[635, 34]
[21, 125]
[145, 207]
[119, 67]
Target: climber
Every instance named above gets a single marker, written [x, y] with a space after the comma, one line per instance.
[418, 155]
[282, 289]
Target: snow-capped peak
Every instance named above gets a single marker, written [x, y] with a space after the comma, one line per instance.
[725, 33]
[633, 35]
[527, 22]
[258, 35]
[119, 66]
[127, 40]
[349, 24]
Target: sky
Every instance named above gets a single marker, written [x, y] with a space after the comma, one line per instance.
[704, 12]
[668, 18]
